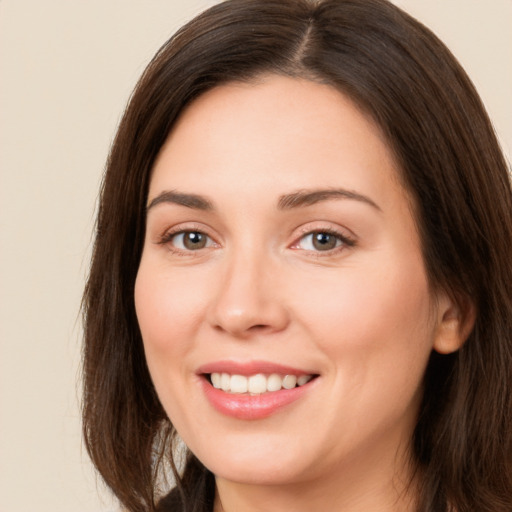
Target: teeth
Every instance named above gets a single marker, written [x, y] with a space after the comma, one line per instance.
[303, 379]
[289, 382]
[274, 382]
[257, 384]
[225, 382]
[216, 380]
[238, 384]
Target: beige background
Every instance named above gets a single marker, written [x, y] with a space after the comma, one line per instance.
[67, 68]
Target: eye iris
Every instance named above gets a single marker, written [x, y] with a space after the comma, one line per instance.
[324, 241]
[194, 240]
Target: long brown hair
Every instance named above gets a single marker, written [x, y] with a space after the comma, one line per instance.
[398, 72]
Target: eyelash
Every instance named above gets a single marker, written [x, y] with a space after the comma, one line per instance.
[343, 240]
[168, 237]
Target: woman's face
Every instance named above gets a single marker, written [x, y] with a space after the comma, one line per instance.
[280, 243]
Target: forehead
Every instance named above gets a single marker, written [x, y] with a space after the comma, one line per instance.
[275, 133]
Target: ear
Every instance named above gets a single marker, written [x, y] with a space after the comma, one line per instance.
[455, 321]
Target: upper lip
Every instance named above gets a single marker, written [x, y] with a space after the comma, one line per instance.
[251, 368]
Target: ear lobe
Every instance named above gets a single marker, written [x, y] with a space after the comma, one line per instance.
[455, 322]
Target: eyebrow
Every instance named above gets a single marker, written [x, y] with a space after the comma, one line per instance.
[309, 197]
[189, 200]
[298, 199]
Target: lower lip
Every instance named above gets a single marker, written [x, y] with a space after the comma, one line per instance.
[247, 407]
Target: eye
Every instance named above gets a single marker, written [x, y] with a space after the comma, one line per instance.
[189, 240]
[322, 241]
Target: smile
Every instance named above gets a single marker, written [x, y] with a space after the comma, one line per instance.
[254, 390]
[256, 384]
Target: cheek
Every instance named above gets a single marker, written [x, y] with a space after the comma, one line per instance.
[168, 306]
[375, 317]
[376, 334]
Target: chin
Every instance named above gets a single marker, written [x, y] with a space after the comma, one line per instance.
[260, 474]
[250, 462]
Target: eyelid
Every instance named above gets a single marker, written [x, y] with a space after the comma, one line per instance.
[344, 235]
[181, 246]
[347, 238]
[186, 227]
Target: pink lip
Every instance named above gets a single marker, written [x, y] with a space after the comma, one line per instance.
[251, 368]
[244, 406]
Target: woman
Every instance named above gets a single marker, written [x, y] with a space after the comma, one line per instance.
[302, 270]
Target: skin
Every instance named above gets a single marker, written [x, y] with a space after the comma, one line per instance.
[360, 315]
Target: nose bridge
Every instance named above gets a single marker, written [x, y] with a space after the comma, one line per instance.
[247, 300]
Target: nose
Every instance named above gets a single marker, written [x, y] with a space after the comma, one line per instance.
[248, 301]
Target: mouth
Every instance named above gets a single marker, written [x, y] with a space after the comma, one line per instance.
[258, 383]
[254, 390]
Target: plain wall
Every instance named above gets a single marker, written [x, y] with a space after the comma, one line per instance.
[67, 68]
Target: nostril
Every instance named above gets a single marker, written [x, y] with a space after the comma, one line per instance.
[259, 327]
